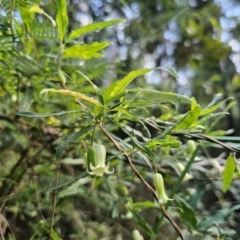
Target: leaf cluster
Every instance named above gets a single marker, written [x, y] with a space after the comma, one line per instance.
[56, 108]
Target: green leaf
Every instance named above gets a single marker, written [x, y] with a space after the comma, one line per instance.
[115, 211]
[169, 70]
[46, 228]
[196, 196]
[164, 143]
[25, 14]
[70, 139]
[125, 111]
[228, 172]
[228, 138]
[95, 87]
[136, 103]
[213, 108]
[61, 18]
[215, 100]
[162, 96]
[142, 223]
[189, 119]
[67, 183]
[85, 51]
[187, 213]
[71, 93]
[117, 88]
[142, 147]
[218, 133]
[209, 116]
[143, 205]
[169, 129]
[43, 115]
[219, 217]
[36, 9]
[193, 103]
[91, 27]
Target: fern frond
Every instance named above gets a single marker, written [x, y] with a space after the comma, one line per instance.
[44, 30]
[9, 6]
[28, 3]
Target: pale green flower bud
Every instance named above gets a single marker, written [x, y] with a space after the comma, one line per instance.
[159, 186]
[181, 168]
[136, 235]
[191, 146]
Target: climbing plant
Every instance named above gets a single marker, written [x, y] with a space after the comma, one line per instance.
[78, 155]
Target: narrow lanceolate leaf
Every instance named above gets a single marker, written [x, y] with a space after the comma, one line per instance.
[187, 213]
[228, 172]
[66, 183]
[125, 111]
[115, 90]
[91, 27]
[61, 18]
[213, 108]
[143, 205]
[95, 87]
[46, 228]
[37, 9]
[141, 147]
[219, 217]
[164, 143]
[161, 96]
[169, 129]
[85, 51]
[71, 93]
[142, 223]
[189, 119]
[133, 104]
[25, 14]
[43, 115]
[211, 115]
[170, 71]
[72, 138]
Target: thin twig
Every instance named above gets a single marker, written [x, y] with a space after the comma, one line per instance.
[105, 132]
[54, 198]
[218, 142]
[177, 229]
[6, 198]
[197, 136]
[37, 196]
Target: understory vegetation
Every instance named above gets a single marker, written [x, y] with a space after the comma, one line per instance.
[119, 120]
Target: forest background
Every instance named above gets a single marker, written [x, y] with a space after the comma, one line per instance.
[175, 111]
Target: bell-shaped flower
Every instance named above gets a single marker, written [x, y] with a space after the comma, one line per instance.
[180, 167]
[96, 161]
[136, 235]
[159, 186]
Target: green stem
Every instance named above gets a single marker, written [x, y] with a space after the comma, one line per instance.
[158, 220]
[93, 134]
[59, 56]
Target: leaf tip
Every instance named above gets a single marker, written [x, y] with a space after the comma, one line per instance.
[44, 91]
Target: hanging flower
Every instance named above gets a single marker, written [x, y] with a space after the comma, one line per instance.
[180, 167]
[96, 161]
[159, 186]
[136, 235]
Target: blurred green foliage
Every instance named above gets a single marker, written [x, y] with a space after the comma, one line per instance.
[177, 62]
